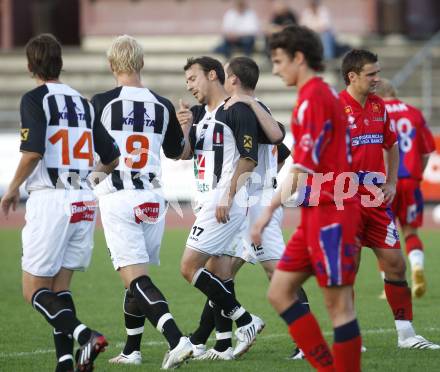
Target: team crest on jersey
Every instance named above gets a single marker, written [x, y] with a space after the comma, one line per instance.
[348, 110]
[247, 142]
[24, 134]
[376, 107]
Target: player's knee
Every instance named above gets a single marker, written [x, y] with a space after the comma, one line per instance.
[187, 271]
[275, 298]
[130, 304]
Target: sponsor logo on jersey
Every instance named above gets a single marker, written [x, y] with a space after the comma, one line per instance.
[82, 211]
[77, 115]
[146, 212]
[247, 142]
[24, 134]
[367, 139]
[200, 166]
[146, 121]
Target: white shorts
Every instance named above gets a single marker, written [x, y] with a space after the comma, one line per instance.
[58, 231]
[272, 246]
[211, 237]
[134, 222]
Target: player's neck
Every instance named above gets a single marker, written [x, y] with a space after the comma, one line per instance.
[245, 92]
[359, 97]
[216, 97]
[129, 80]
[42, 82]
[304, 77]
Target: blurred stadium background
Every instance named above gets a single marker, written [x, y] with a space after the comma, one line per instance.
[404, 33]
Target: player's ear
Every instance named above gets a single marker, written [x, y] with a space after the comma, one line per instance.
[299, 58]
[212, 75]
[351, 76]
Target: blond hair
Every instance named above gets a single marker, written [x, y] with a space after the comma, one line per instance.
[125, 55]
[386, 89]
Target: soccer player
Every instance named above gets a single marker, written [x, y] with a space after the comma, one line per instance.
[132, 206]
[415, 144]
[371, 134]
[58, 139]
[224, 145]
[325, 241]
[241, 77]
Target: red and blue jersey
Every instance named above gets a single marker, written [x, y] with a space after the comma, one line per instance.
[415, 138]
[319, 129]
[371, 132]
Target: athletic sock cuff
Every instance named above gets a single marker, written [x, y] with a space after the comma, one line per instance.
[37, 293]
[294, 312]
[347, 331]
[397, 283]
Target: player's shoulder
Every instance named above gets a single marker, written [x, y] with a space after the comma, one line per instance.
[34, 96]
[100, 100]
[198, 112]
[163, 100]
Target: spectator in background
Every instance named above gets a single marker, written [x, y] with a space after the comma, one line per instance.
[282, 16]
[240, 28]
[317, 17]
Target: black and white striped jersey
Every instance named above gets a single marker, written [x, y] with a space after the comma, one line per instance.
[141, 122]
[218, 140]
[58, 123]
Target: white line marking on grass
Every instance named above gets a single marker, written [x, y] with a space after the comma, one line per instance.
[118, 345]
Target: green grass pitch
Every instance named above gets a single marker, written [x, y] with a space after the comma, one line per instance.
[26, 339]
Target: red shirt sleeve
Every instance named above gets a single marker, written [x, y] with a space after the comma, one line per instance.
[427, 144]
[312, 133]
[389, 133]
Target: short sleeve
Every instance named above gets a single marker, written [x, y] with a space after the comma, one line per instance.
[389, 133]
[283, 153]
[427, 143]
[105, 146]
[245, 129]
[313, 132]
[173, 142]
[33, 125]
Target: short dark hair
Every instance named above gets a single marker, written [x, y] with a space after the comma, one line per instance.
[44, 56]
[355, 60]
[300, 39]
[246, 70]
[207, 64]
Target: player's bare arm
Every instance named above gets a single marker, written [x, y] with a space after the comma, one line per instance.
[392, 166]
[244, 169]
[185, 118]
[269, 125]
[286, 190]
[28, 162]
[101, 171]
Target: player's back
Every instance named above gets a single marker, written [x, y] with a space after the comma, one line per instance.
[141, 122]
[414, 137]
[321, 135]
[57, 122]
